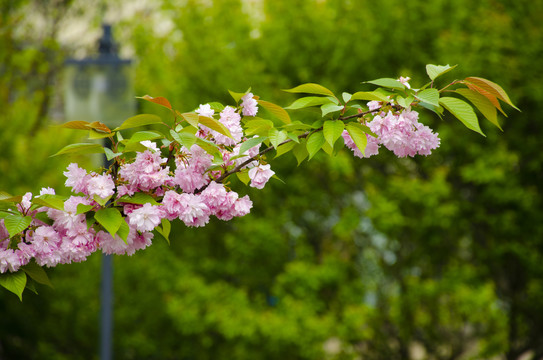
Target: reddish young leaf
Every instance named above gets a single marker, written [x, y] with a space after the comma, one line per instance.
[78, 125]
[489, 96]
[100, 127]
[157, 100]
[492, 88]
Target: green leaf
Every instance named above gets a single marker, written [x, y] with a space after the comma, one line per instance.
[346, 97]
[297, 125]
[51, 201]
[258, 126]
[110, 154]
[7, 198]
[370, 95]
[188, 130]
[157, 100]
[214, 125]
[250, 143]
[124, 231]
[209, 147]
[482, 103]
[387, 83]
[358, 135]
[311, 88]
[16, 223]
[434, 71]
[133, 146]
[340, 143]
[300, 152]
[243, 176]
[145, 135]
[218, 107]
[405, 102]
[138, 198]
[95, 135]
[80, 148]
[294, 137]
[100, 200]
[285, 148]
[462, 111]
[185, 139]
[110, 218]
[31, 285]
[237, 96]
[139, 120]
[314, 143]
[492, 88]
[82, 208]
[436, 109]
[14, 282]
[365, 129]
[329, 108]
[277, 178]
[311, 101]
[192, 118]
[277, 137]
[37, 273]
[332, 131]
[275, 110]
[165, 229]
[327, 148]
[429, 96]
[317, 124]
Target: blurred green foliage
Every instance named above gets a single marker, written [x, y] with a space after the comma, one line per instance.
[384, 258]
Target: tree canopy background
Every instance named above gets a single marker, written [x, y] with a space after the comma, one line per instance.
[383, 258]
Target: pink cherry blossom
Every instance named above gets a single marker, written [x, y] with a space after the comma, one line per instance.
[4, 234]
[404, 80]
[146, 172]
[191, 173]
[100, 185]
[399, 133]
[76, 178]
[232, 121]
[205, 110]
[47, 190]
[9, 260]
[242, 206]
[150, 145]
[146, 218]
[26, 203]
[249, 105]
[260, 175]
[193, 212]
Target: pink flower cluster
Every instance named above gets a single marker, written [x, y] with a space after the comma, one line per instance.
[231, 119]
[400, 133]
[145, 173]
[68, 237]
[189, 192]
[89, 184]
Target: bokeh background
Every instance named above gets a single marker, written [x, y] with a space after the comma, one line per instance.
[384, 258]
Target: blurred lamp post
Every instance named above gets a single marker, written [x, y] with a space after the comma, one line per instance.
[100, 89]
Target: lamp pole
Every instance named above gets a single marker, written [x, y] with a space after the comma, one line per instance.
[100, 89]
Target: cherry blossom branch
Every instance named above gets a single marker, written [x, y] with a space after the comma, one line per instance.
[359, 114]
[238, 168]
